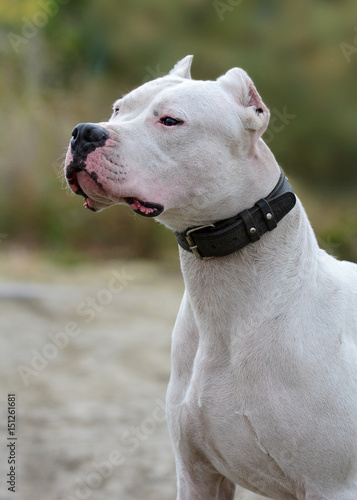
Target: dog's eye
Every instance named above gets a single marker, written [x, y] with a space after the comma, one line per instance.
[170, 122]
[116, 111]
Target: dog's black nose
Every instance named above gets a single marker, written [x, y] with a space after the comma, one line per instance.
[88, 136]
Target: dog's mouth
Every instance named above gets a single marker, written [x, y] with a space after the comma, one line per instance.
[95, 197]
[96, 200]
[86, 184]
[144, 208]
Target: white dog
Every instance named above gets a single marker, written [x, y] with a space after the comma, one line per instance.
[263, 391]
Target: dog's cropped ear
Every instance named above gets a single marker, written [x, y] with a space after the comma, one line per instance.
[183, 68]
[255, 115]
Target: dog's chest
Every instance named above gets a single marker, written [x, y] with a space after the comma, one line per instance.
[214, 423]
[253, 425]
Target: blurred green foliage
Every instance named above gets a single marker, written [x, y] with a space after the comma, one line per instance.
[66, 61]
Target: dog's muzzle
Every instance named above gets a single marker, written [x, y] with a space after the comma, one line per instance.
[86, 137]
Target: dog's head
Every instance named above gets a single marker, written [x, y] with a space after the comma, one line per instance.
[179, 149]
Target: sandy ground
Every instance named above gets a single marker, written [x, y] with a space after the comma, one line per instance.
[86, 351]
[90, 410]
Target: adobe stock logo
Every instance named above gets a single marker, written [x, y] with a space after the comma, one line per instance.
[278, 122]
[222, 7]
[31, 27]
[348, 49]
[153, 73]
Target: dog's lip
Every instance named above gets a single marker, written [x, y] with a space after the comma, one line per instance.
[88, 203]
[144, 208]
[94, 202]
[73, 183]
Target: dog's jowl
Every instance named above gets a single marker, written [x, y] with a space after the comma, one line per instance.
[263, 390]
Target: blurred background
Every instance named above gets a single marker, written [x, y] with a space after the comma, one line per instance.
[88, 300]
[66, 61]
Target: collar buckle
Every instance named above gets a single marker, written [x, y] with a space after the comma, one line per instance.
[192, 244]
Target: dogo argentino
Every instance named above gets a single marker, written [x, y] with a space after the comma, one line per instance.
[263, 390]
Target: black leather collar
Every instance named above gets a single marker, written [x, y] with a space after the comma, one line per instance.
[227, 236]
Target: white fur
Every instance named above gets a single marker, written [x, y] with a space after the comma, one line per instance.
[263, 390]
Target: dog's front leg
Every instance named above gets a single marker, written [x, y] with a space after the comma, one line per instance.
[205, 486]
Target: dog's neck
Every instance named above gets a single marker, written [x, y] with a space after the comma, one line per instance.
[255, 283]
